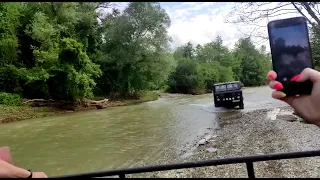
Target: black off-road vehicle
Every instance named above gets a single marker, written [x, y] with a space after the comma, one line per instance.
[228, 94]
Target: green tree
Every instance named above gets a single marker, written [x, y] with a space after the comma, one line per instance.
[186, 77]
[315, 45]
[225, 73]
[253, 71]
[210, 74]
[179, 53]
[136, 50]
[68, 51]
[188, 51]
[49, 49]
[198, 51]
[9, 22]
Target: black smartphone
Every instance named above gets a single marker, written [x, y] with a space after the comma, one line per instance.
[291, 53]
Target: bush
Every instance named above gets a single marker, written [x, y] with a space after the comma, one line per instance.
[9, 99]
[148, 95]
[185, 79]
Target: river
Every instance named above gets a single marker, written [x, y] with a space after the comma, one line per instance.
[128, 136]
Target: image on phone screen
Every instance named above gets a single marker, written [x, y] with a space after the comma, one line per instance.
[290, 51]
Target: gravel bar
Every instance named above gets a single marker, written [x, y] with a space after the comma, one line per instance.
[253, 133]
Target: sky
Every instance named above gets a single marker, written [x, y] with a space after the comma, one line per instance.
[293, 36]
[201, 22]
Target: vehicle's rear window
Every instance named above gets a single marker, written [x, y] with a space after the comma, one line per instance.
[221, 88]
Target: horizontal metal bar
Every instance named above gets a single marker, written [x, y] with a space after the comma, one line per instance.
[165, 167]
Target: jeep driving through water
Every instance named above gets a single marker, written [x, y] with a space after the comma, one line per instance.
[228, 94]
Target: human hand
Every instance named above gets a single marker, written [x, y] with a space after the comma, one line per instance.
[8, 170]
[305, 106]
[39, 175]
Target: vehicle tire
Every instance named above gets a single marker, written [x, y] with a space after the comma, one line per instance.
[241, 105]
[216, 105]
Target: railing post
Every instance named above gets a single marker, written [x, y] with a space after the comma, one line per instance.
[122, 176]
[250, 169]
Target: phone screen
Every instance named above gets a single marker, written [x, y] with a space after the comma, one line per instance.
[290, 51]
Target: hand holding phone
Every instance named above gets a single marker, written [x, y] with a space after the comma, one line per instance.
[291, 53]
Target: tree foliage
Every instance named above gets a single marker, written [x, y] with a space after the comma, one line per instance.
[49, 54]
[70, 51]
[201, 66]
[136, 55]
[315, 44]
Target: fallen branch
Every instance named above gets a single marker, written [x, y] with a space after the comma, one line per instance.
[70, 105]
[98, 104]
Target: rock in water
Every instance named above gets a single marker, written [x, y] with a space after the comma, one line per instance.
[187, 154]
[211, 149]
[207, 137]
[203, 142]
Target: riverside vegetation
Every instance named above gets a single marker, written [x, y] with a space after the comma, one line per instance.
[71, 51]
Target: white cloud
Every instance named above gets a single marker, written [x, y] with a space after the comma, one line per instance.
[201, 22]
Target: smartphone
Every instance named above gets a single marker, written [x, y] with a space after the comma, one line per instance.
[291, 53]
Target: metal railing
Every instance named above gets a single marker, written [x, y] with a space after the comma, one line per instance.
[248, 160]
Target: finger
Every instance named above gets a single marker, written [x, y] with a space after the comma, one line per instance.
[5, 154]
[278, 95]
[307, 74]
[275, 85]
[272, 75]
[283, 97]
[40, 175]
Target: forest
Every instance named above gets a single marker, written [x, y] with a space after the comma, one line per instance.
[70, 51]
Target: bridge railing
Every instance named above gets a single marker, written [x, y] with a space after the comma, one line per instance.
[248, 160]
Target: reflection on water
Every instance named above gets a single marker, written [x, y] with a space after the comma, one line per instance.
[118, 137]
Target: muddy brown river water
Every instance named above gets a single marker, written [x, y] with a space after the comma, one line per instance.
[128, 136]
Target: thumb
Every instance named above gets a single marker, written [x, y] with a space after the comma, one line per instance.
[307, 74]
[5, 154]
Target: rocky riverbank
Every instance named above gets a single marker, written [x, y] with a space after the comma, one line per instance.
[257, 132]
